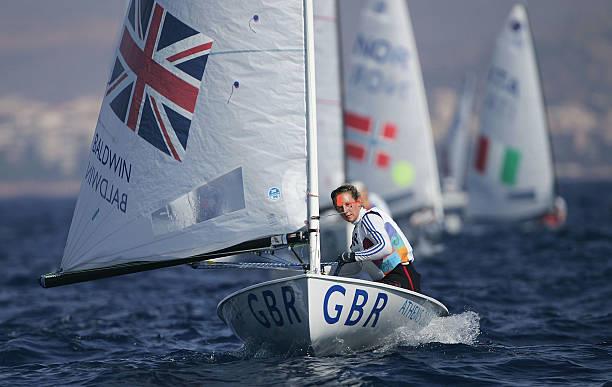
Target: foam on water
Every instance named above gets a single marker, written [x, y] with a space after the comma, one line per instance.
[461, 328]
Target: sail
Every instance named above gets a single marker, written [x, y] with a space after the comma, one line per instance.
[457, 140]
[329, 108]
[201, 140]
[388, 138]
[511, 176]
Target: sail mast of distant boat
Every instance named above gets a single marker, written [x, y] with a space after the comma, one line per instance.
[551, 153]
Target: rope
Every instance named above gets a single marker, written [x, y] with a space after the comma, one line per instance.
[253, 265]
[248, 265]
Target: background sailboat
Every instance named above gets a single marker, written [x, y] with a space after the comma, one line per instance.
[455, 153]
[389, 141]
[511, 175]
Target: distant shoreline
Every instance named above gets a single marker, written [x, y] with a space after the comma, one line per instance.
[70, 189]
[43, 189]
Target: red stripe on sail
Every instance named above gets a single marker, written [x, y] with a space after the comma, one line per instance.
[389, 131]
[151, 73]
[482, 154]
[357, 122]
[116, 83]
[383, 160]
[355, 151]
[164, 130]
[191, 51]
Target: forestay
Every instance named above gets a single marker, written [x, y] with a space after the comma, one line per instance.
[389, 141]
[511, 175]
[201, 141]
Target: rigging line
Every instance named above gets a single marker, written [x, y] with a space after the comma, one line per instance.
[207, 265]
[296, 255]
[229, 52]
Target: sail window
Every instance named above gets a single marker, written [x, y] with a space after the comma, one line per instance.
[218, 197]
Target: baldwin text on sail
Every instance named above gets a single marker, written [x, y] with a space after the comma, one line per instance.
[109, 188]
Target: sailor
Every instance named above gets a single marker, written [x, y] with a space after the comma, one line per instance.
[377, 242]
[557, 215]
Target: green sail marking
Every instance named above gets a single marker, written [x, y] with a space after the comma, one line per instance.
[512, 159]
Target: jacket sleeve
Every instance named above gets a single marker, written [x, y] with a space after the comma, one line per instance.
[374, 228]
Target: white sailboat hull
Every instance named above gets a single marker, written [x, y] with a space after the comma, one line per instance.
[325, 314]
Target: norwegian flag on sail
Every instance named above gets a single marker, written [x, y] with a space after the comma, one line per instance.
[156, 77]
[362, 128]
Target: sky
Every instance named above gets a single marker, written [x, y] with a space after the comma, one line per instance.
[55, 65]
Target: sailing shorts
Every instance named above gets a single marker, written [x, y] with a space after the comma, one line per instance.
[403, 276]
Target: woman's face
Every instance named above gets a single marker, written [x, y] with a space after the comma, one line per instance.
[347, 206]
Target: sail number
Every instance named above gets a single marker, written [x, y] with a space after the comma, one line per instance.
[380, 67]
[267, 310]
[332, 314]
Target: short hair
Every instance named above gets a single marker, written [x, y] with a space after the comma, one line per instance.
[344, 188]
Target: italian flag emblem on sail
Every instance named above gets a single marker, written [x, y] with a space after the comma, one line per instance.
[496, 158]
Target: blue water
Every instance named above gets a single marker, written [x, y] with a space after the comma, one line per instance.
[527, 309]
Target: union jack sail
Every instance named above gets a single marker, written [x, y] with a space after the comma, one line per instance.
[157, 75]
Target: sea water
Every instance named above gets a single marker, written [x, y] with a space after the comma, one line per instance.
[527, 308]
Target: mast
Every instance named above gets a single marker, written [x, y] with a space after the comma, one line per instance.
[311, 127]
[544, 108]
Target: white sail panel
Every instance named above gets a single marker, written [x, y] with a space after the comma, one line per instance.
[329, 109]
[388, 141]
[201, 139]
[511, 176]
